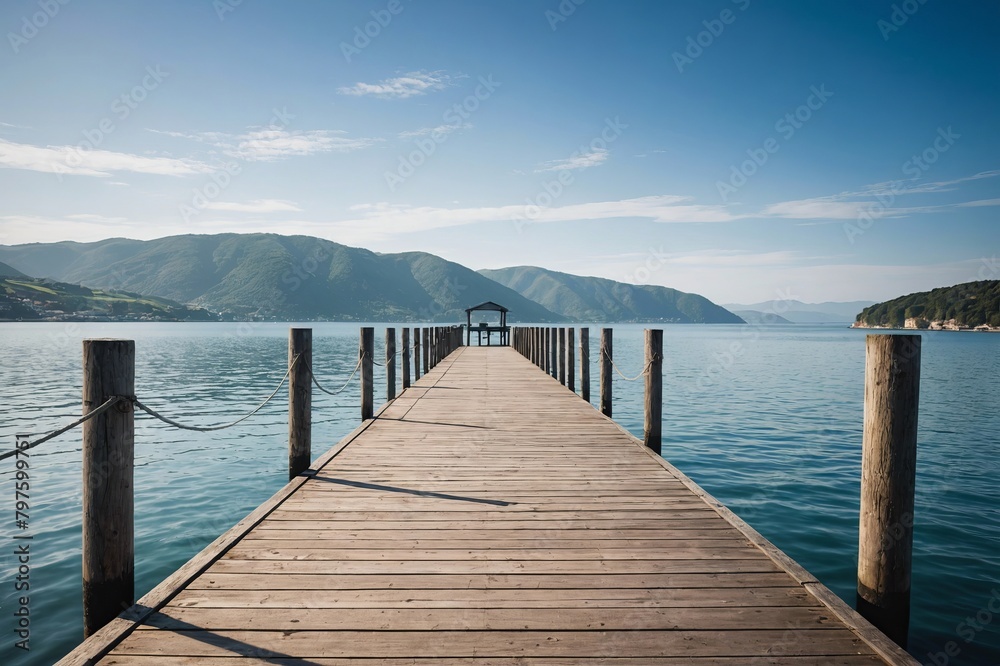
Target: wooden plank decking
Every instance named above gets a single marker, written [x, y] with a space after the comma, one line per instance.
[490, 516]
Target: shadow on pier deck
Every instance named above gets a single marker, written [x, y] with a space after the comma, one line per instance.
[488, 515]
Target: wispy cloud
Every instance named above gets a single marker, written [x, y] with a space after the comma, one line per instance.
[255, 206]
[401, 87]
[980, 202]
[376, 221]
[439, 131]
[585, 160]
[74, 161]
[274, 143]
[877, 200]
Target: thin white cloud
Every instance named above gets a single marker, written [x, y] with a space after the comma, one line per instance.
[401, 87]
[980, 202]
[97, 219]
[72, 160]
[381, 220]
[439, 131]
[273, 143]
[255, 206]
[586, 160]
[876, 201]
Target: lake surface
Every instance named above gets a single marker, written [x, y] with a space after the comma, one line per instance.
[768, 419]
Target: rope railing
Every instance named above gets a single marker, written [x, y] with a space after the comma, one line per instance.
[342, 388]
[387, 361]
[642, 374]
[108, 404]
[114, 400]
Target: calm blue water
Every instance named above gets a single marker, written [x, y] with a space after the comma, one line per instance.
[766, 419]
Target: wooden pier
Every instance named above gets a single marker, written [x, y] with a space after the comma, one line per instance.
[488, 515]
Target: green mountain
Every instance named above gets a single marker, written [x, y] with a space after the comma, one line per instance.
[284, 277]
[971, 304]
[601, 300]
[9, 271]
[35, 298]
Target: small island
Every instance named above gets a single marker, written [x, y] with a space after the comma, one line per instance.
[972, 306]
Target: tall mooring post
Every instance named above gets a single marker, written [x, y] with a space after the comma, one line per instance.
[606, 356]
[366, 352]
[108, 463]
[888, 479]
[653, 406]
[416, 353]
[390, 363]
[406, 357]
[299, 401]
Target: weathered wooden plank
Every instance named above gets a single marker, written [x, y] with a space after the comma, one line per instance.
[489, 644]
[245, 551]
[838, 660]
[400, 567]
[270, 580]
[582, 597]
[494, 619]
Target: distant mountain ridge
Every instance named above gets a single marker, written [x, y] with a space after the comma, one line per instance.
[798, 312]
[273, 276]
[601, 300]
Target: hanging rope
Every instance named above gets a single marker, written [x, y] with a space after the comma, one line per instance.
[387, 361]
[108, 404]
[342, 388]
[222, 426]
[628, 379]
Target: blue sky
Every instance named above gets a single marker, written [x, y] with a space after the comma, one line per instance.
[735, 148]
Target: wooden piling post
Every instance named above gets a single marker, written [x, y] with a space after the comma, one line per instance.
[546, 341]
[299, 401]
[570, 361]
[652, 430]
[108, 502]
[888, 477]
[367, 353]
[562, 355]
[390, 363]
[554, 335]
[426, 351]
[585, 363]
[406, 357]
[416, 353]
[606, 356]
